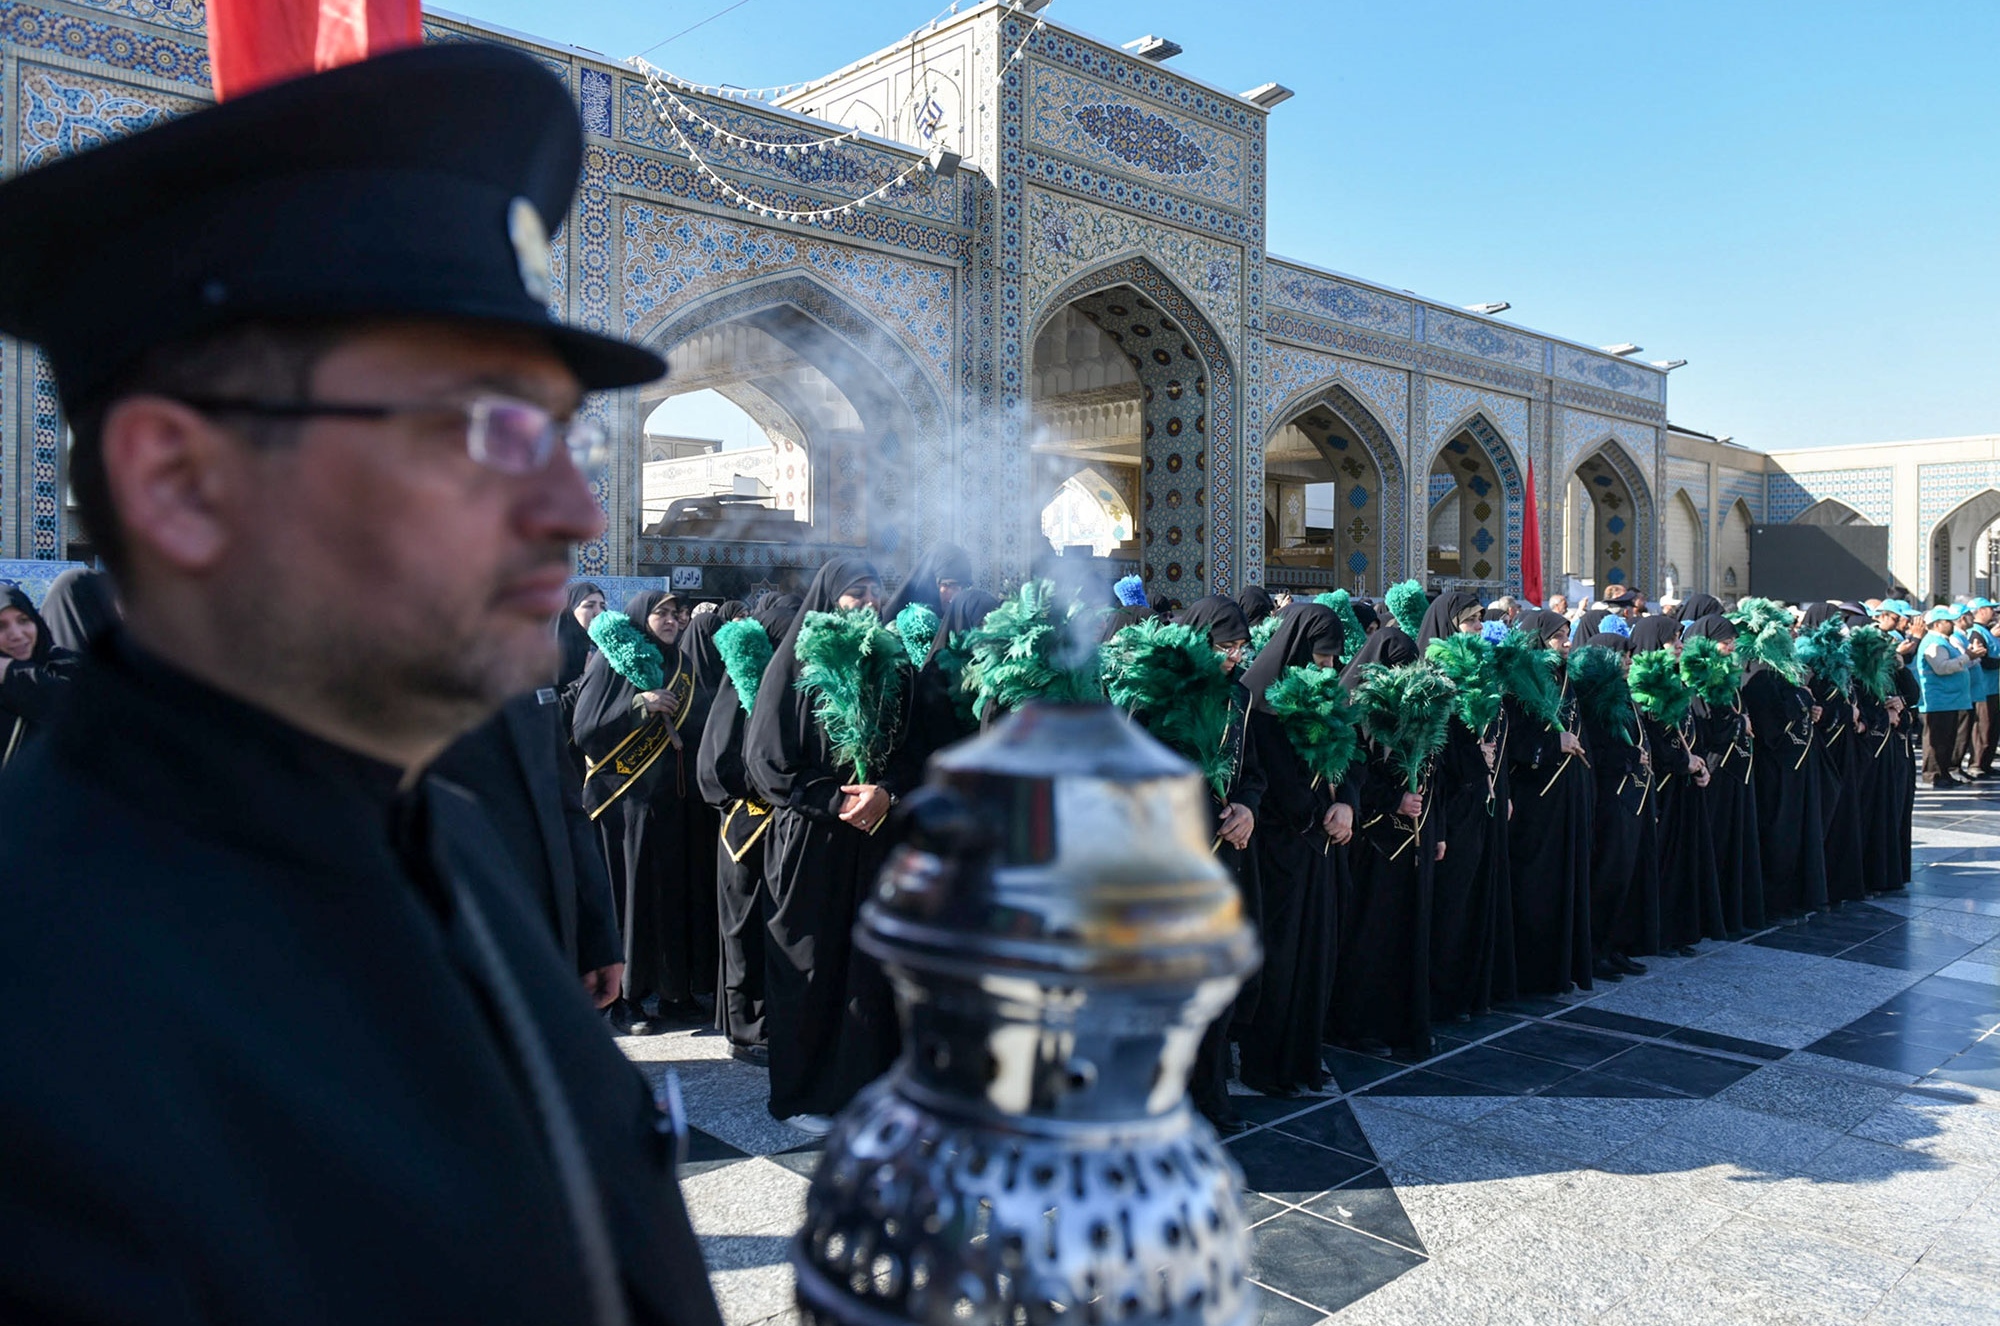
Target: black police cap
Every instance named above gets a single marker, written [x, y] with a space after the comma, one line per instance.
[420, 184]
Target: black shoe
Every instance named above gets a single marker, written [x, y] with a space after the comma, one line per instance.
[680, 1011]
[1604, 971]
[1626, 965]
[1377, 1048]
[1687, 950]
[1270, 1089]
[1226, 1122]
[754, 1055]
[629, 1019]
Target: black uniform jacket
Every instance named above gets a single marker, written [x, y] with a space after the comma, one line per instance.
[253, 1069]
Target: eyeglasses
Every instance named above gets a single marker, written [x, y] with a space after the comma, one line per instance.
[503, 434]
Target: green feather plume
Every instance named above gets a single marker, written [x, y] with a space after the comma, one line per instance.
[918, 626]
[1715, 677]
[1024, 651]
[1173, 677]
[1352, 634]
[1602, 694]
[1407, 604]
[852, 665]
[1874, 656]
[1824, 650]
[629, 651]
[1260, 635]
[1468, 661]
[745, 647]
[1311, 706]
[1528, 675]
[1407, 712]
[1658, 688]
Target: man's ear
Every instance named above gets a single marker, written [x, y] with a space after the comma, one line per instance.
[174, 478]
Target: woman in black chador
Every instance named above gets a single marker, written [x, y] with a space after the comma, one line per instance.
[745, 820]
[1302, 828]
[1549, 836]
[35, 672]
[1690, 906]
[944, 711]
[1837, 752]
[704, 824]
[1382, 983]
[637, 690]
[1720, 735]
[1791, 834]
[829, 1019]
[1624, 855]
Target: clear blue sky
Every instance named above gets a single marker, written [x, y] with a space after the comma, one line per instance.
[1801, 199]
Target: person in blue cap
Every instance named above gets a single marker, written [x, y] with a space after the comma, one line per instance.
[1986, 707]
[1942, 672]
[332, 448]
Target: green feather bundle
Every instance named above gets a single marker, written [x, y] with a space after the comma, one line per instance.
[629, 651]
[1468, 661]
[1528, 675]
[1873, 653]
[1353, 636]
[1025, 651]
[1658, 688]
[745, 647]
[1173, 676]
[1311, 706]
[1824, 650]
[1715, 677]
[1406, 711]
[1407, 604]
[1764, 633]
[918, 627]
[1260, 635]
[1598, 674]
[852, 667]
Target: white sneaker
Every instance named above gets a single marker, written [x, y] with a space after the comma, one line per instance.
[812, 1125]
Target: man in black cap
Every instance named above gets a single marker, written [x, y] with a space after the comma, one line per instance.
[327, 439]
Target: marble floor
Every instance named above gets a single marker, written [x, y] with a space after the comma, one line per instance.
[1800, 1127]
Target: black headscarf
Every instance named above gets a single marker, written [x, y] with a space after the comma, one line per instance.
[1611, 640]
[1220, 617]
[782, 742]
[1257, 603]
[640, 609]
[1697, 606]
[1364, 612]
[1815, 613]
[1713, 626]
[697, 646]
[79, 608]
[1389, 646]
[968, 610]
[776, 614]
[18, 598]
[1118, 620]
[1655, 632]
[1586, 626]
[1306, 629]
[1441, 618]
[947, 561]
[572, 640]
[604, 713]
[1545, 625]
[731, 609]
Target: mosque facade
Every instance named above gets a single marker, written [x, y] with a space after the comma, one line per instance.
[1006, 285]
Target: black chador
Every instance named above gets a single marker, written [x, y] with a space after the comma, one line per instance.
[1720, 734]
[1690, 906]
[745, 820]
[1382, 986]
[1903, 778]
[944, 710]
[1790, 832]
[1549, 838]
[1624, 856]
[1836, 755]
[635, 786]
[704, 824]
[1301, 874]
[1470, 883]
[829, 1019]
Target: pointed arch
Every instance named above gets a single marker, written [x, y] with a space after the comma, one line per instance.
[1627, 522]
[1829, 511]
[1685, 554]
[1951, 543]
[1376, 504]
[1491, 535]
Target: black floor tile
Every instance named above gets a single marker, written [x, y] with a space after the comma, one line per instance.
[1955, 1072]
[1370, 1205]
[1564, 1045]
[1331, 1125]
[801, 1159]
[1793, 940]
[1534, 1006]
[706, 1152]
[1975, 993]
[1324, 1264]
[1603, 1086]
[1270, 1109]
[1291, 1170]
[1506, 1074]
[1269, 1308]
[1893, 958]
[1950, 1012]
[1485, 1024]
[1423, 1082]
[1898, 1056]
[1355, 1071]
[1917, 1030]
[1716, 1041]
[1683, 1070]
[1599, 1017]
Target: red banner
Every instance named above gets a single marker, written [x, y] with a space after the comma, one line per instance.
[1531, 545]
[252, 43]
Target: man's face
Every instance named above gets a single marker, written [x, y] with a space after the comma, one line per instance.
[1559, 603]
[423, 580]
[17, 634]
[1984, 616]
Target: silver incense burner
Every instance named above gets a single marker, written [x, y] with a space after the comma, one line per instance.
[1059, 936]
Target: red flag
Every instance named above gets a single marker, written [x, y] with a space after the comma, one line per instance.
[1531, 545]
[255, 42]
